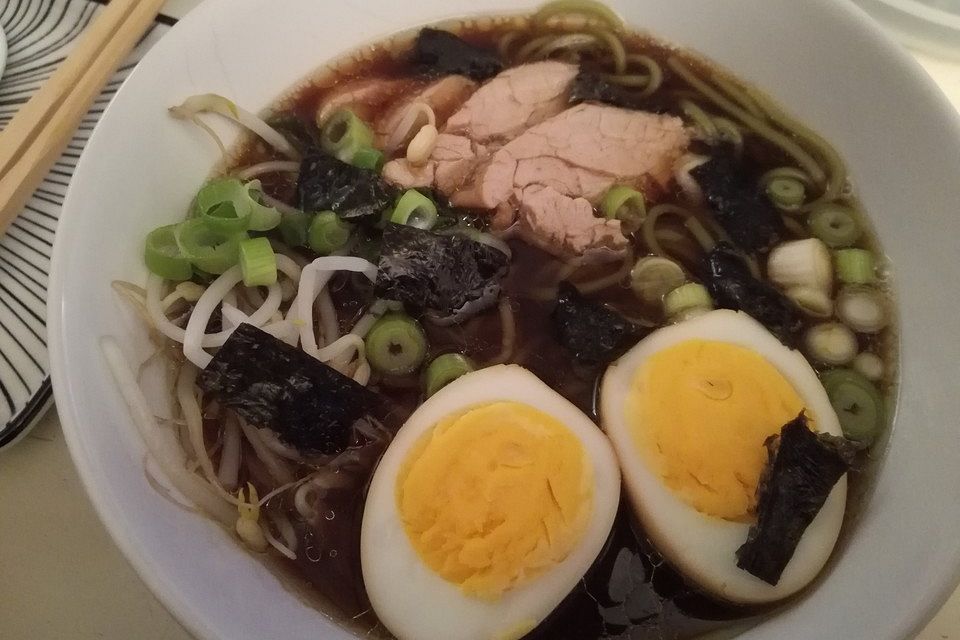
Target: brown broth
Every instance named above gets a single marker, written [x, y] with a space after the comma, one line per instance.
[631, 591]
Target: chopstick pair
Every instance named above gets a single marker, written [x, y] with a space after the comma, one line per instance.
[41, 129]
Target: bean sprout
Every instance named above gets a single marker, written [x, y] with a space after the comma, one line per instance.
[422, 145]
[163, 324]
[194, 338]
[193, 106]
[276, 467]
[161, 444]
[413, 118]
[313, 279]
[279, 205]
[329, 324]
[231, 456]
[508, 333]
[271, 166]
[276, 544]
[273, 442]
[190, 407]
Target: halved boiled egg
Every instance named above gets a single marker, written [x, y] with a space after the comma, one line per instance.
[487, 508]
[688, 410]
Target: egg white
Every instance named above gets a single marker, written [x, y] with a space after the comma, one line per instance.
[413, 601]
[702, 547]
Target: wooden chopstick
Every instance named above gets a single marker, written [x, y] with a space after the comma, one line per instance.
[32, 115]
[37, 135]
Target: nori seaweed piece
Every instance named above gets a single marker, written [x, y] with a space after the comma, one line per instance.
[443, 274]
[592, 332]
[354, 194]
[272, 384]
[592, 87]
[302, 134]
[738, 205]
[801, 470]
[732, 286]
[441, 53]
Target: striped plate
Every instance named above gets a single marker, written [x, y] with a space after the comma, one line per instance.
[40, 33]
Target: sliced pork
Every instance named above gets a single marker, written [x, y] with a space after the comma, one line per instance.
[565, 226]
[516, 148]
[453, 161]
[513, 101]
[581, 152]
[494, 114]
[552, 174]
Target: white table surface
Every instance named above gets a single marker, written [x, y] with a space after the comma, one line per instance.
[62, 577]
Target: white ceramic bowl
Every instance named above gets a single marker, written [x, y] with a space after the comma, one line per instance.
[822, 58]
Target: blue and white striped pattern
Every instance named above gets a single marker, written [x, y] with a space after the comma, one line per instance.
[40, 34]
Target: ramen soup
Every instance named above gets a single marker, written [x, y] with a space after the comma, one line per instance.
[523, 327]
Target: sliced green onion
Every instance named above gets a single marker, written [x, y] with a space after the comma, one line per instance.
[835, 224]
[855, 266]
[262, 217]
[862, 308]
[396, 345]
[344, 134]
[625, 204]
[327, 233]
[368, 158]
[215, 192]
[293, 228]
[163, 256]
[786, 193]
[687, 297]
[224, 216]
[445, 369]
[245, 200]
[258, 263]
[830, 343]
[801, 263]
[209, 249]
[869, 365]
[653, 277]
[857, 401]
[415, 210]
[813, 301]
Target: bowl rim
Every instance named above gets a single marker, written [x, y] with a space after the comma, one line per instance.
[68, 409]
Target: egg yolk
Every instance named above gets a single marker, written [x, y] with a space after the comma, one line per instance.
[699, 412]
[492, 497]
